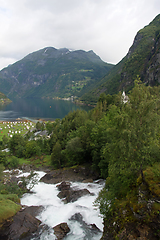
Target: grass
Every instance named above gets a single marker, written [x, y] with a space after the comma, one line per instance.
[9, 203]
[12, 197]
[8, 206]
[36, 161]
[22, 161]
[10, 128]
[43, 160]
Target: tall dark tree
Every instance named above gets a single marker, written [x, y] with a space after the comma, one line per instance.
[17, 144]
[56, 156]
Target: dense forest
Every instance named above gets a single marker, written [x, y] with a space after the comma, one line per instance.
[119, 139]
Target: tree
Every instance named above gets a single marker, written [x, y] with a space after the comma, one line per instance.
[5, 140]
[3, 158]
[132, 145]
[56, 156]
[49, 127]
[40, 126]
[132, 142]
[17, 144]
[52, 141]
[74, 151]
[14, 162]
[85, 133]
[46, 147]
[99, 138]
[32, 149]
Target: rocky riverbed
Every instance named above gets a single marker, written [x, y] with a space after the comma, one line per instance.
[71, 192]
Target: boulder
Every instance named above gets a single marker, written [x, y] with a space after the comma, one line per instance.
[90, 230]
[14, 179]
[69, 194]
[64, 186]
[26, 168]
[77, 174]
[61, 230]
[22, 225]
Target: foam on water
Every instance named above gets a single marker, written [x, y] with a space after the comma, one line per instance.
[56, 212]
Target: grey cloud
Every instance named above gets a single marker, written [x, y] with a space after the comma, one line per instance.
[108, 27]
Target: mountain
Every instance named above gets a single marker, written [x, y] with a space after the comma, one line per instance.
[143, 59]
[53, 73]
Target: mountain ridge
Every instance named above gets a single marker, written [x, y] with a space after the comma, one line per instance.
[62, 73]
[51, 72]
[142, 59]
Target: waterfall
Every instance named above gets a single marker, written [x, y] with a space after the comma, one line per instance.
[55, 211]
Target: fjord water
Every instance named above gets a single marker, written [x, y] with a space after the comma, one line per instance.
[37, 108]
[56, 212]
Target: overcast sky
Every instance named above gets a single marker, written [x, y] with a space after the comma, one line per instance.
[107, 27]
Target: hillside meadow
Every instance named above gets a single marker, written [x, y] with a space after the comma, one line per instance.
[16, 127]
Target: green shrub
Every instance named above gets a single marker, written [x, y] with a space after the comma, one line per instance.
[14, 162]
[3, 159]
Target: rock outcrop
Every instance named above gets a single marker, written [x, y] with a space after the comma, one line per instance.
[22, 225]
[142, 59]
[78, 174]
[90, 230]
[69, 194]
[61, 230]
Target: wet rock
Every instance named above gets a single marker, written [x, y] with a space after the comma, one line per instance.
[90, 180]
[61, 230]
[26, 168]
[100, 181]
[77, 217]
[33, 210]
[14, 179]
[77, 174]
[63, 186]
[90, 230]
[22, 225]
[14, 172]
[43, 230]
[47, 177]
[69, 194]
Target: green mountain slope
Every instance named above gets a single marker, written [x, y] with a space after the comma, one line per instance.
[4, 99]
[143, 59]
[52, 72]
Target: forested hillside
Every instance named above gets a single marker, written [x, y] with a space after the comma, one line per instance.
[53, 73]
[142, 59]
[4, 99]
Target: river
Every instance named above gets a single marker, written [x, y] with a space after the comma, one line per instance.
[37, 108]
[56, 212]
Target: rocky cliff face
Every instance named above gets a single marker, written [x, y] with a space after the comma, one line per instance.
[152, 71]
[145, 58]
[142, 59]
